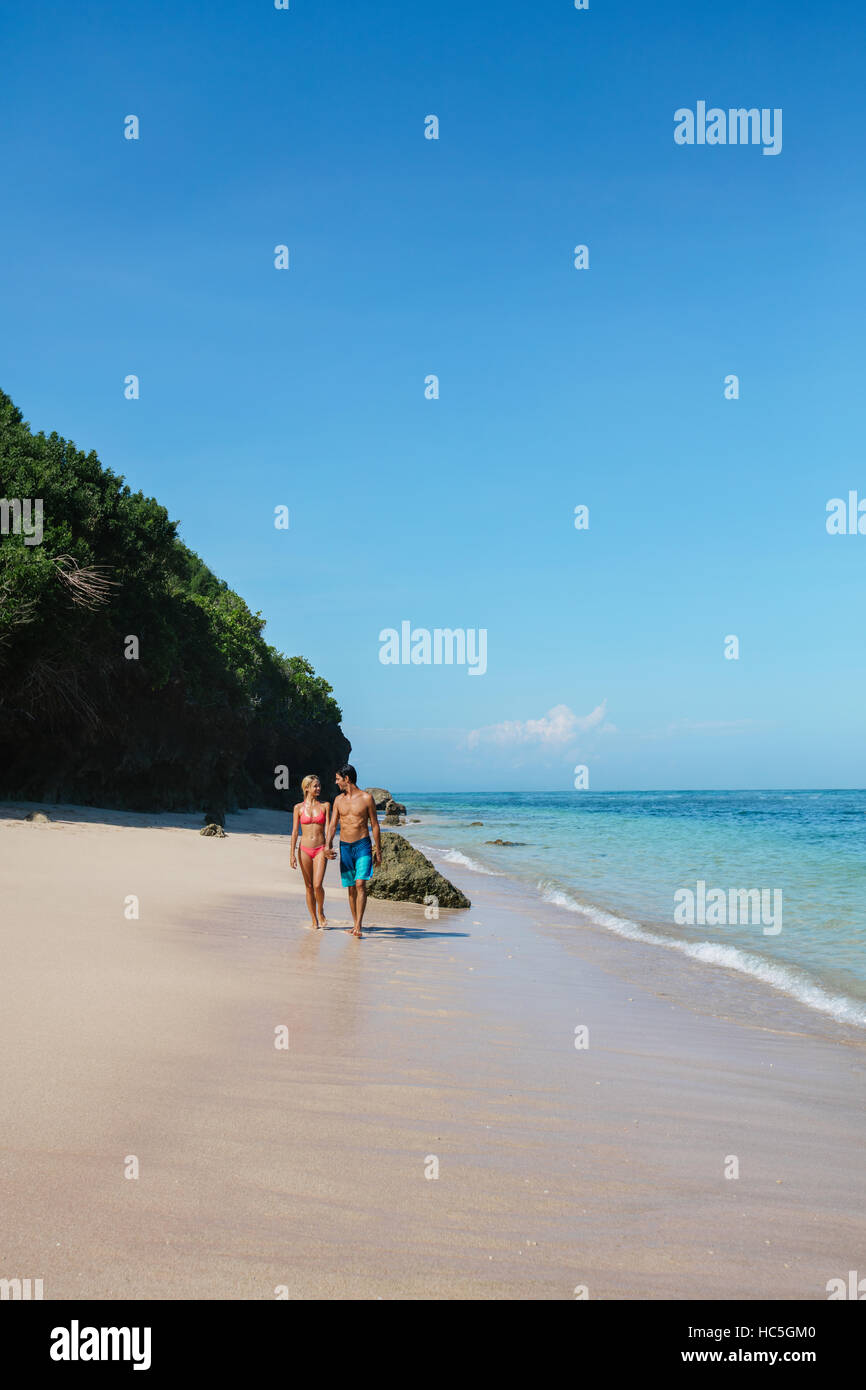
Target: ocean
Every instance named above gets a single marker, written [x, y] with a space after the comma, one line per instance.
[669, 868]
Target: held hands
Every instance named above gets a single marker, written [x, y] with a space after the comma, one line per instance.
[330, 854]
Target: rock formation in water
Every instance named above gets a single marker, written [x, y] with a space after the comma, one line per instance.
[407, 876]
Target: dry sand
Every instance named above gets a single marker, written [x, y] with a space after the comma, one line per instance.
[304, 1168]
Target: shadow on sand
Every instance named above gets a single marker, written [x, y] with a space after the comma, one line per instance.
[410, 933]
[255, 821]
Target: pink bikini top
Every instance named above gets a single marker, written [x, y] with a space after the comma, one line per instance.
[312, 820]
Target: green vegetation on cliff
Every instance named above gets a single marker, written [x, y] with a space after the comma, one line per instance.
[207, 710]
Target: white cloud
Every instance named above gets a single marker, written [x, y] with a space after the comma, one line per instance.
[556, 729]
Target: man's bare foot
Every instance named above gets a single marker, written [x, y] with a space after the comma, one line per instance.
[323, 921]
[354, 932]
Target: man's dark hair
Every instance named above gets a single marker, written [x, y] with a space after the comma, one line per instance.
[347, 770]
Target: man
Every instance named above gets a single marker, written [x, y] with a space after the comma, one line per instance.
[355, 809]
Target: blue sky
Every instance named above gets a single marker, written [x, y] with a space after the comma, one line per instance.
[558, 387]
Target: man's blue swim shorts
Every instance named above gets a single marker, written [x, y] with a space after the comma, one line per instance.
[356, 861]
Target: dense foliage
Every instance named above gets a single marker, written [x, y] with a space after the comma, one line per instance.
[208, 709]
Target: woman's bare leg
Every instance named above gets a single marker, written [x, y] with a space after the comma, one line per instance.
[320, 863]
[307, 871]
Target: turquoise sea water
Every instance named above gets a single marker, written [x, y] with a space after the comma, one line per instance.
[619, 859]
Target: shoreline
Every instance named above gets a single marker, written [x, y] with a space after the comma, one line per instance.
[831, 1008]
[453, 1040]
[710, 985]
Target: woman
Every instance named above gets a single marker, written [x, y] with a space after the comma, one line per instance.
[310, 819]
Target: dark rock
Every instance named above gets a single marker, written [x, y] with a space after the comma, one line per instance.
[38, 817]
[394, 808]
[505, 842]
[415, 820]
[394, 820]
[407, 876]
[213, 830]
[320, 749]
[476, 822]
[380, 797]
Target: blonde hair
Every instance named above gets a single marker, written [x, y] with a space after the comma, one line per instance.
[308, 782]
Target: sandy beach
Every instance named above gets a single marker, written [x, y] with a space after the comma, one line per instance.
[300, 1171]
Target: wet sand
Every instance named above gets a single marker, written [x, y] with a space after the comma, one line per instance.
[301, 1170]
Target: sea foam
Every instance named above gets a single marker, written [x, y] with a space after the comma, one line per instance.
[788, 980]
[456, 856]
